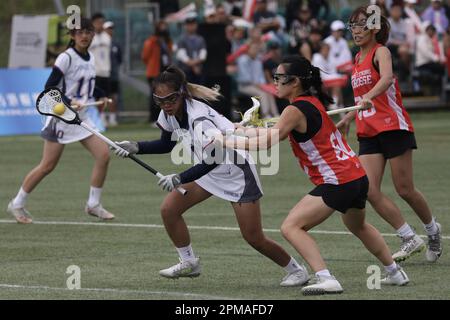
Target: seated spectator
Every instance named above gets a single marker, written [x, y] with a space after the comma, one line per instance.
[414, 23]
[398, 42]
[264, 19]
[314, 6]
[250, 79]
[435, 14]
[340, 56]
[300, 29]
[430, 58]
[232, 8]
[191, 51]
[312, 44]
[270, 63]
[331, 79]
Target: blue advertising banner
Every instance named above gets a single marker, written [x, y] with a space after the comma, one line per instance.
[19, 89]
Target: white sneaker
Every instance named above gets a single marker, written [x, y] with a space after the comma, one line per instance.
[409, 247]
[188, 268]
[397, 278]
[99, 212]
[434, 246]
[296, 278]
[322, 285]
[20, 214]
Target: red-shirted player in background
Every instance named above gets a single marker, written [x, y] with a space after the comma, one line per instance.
[385, 132]
[341, 182]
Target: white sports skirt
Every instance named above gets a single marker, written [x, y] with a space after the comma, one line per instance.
[56, 130]
[235, 183]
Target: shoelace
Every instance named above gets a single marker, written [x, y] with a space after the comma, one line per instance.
[180, 266]
[434, 242]
[408, 245]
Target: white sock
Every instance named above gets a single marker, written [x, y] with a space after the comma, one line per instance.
[186, 253]
[323, 273]
[112, 117]
[431, 228]
[94, 197]
[20, 199]
[405, 231]
[391, 268]
[292, 266]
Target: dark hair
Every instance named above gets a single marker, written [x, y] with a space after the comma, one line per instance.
[85, 24]
[160, 32]
[308, 74]
[381, 36]
[175, 78]
[97, 15]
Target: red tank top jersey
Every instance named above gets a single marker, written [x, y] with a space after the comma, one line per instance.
[326, 157]
[388, 112]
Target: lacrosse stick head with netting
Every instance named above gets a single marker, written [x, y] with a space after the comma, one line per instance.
[48, 99]
[251, 114]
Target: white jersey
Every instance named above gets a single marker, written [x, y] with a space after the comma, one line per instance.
[78, 83]
[100, 48]
[339, 51]
[236, 178]
[79, 75]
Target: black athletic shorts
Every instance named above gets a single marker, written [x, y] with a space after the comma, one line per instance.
[389, 143]
[114, 86]
[345, 196]
[104, 84]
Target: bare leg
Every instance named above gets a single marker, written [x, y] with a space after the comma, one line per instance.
[309, 212]
[100, 151]
[354, 220]
[402, 176]
[173, 207]
[50, 157]
[374, 165]
[248, 216]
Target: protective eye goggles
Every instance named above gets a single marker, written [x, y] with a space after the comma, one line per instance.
[280, 78]
[171, 98]
[358, 26]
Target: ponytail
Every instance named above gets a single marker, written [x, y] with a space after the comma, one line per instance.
[176, 79]
[203, 92]
[316, 83]
[309, 76]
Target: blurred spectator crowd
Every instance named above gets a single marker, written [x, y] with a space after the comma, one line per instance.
[236, 48]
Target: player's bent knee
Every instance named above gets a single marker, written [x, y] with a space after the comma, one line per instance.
[167, 211]
[405, 192]
[47, 168]
[286, 229]
[256, 242]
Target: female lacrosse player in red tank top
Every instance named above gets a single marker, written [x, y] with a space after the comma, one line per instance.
[324, 155]
[385, 132]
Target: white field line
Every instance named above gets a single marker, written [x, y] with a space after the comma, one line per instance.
[158, 226]
[119, 291]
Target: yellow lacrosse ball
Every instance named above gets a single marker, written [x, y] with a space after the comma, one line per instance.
[59, 108]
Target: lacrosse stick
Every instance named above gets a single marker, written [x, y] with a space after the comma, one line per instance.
[95, 103]
[50, 103]
[270, 122]
[252, 113]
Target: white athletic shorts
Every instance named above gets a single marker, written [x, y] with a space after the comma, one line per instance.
[235, 183]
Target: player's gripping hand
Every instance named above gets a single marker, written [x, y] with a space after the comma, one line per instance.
[126, 148]
[169, 182]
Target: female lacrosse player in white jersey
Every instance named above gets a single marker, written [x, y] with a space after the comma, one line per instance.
[185, 117]
[74, 73]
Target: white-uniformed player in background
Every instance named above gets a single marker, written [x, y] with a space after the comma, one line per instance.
[74, 73]
[100, 48]
[183, 114]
